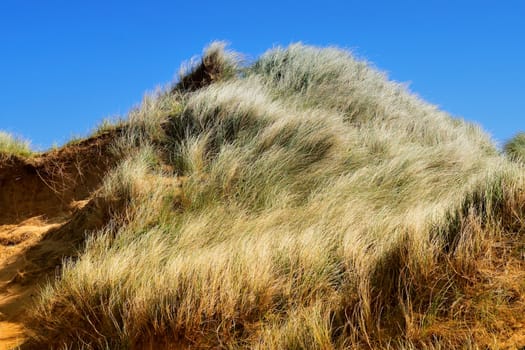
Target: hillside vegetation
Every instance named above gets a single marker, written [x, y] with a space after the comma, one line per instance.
[301, 201]
[10, 145]
[515, 148]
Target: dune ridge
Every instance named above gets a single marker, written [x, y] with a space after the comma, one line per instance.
[300, 201]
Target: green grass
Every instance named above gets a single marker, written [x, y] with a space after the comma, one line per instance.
[11, 145]
[322, 206]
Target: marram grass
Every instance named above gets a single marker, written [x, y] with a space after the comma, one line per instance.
[319, 206]
[11, 145]
[515, 148]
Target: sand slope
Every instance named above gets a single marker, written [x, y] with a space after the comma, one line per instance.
[46, 208]
[16, 292]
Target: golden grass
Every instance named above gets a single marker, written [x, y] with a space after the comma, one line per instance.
[515, 148]
[11, 145]
[302, 202]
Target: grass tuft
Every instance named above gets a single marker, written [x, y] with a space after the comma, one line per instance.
[11, 145]
[215, 65]
[515, 148]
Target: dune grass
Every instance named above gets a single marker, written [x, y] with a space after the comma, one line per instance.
[301, 202]
[11, 145]
[515, 148]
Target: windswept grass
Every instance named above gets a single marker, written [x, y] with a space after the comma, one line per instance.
[302, 202]
[216, 65]
[515, 148]
[11, 145]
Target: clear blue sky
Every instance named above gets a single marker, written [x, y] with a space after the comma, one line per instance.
[65, 65]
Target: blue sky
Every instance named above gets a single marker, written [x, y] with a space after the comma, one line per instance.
[66, 65]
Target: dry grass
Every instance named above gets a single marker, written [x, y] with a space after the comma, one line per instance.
[215, 65]
[305, 202]
[515, 148]
[11, 145]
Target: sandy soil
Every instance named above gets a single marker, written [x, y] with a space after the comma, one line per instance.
[46, 208]
[11, 335]
[16, 293]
